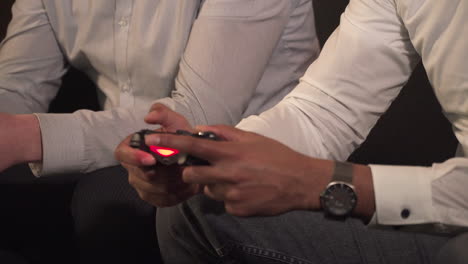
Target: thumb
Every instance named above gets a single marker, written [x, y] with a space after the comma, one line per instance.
[168, 119]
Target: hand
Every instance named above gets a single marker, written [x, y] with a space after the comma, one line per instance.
[157, 184]
[252, 174]
[20, 140]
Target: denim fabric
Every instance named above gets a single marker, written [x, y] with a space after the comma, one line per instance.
[200, 231]
[454, 251]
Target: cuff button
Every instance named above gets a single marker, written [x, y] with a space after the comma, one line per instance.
[405, 213]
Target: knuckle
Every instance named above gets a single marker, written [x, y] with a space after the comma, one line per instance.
[235, 175]
[156, 107]
[132, 180]
[145, 196]
[233, 195]
[189, 174]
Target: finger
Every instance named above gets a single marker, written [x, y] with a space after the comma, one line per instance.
[222, 192]
[227, 133]
[239, 209]
[162, 115]
[138, 181]
[126, 154]
[162, 174]
[208, 175]
[202, 148]
[166, 200]
[212, 194]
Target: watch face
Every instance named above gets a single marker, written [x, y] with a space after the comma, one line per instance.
[339, 199]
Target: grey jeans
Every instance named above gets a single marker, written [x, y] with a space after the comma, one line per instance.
[199, 231]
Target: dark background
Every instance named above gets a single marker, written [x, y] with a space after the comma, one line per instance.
[412, 132]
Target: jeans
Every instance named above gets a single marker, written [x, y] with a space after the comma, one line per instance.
[200, 231]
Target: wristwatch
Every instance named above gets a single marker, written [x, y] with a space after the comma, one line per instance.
[339, 197]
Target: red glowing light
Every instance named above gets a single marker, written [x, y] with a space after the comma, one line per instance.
[165, 152]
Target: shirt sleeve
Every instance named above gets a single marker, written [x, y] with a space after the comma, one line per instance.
[229, 47]
[360, 71]
[31, 63]
[427, 199]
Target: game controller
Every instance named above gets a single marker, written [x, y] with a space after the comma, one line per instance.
[170, 156]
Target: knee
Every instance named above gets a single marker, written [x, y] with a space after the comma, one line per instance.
[454, 251]
[104, 202]
[171, 225]
[184, 235]
[172, 238]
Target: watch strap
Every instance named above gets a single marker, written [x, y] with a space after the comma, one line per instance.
[343, 172]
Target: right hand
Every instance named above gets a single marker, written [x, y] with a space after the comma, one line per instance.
[157, 184]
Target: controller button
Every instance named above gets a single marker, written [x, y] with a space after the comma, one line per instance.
[165, 152]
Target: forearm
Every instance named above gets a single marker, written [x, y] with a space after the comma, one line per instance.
[20, 140]
[27, 136]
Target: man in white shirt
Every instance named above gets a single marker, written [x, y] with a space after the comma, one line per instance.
[212, 61]
[359, 72]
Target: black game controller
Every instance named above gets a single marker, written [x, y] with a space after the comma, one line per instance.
[169, 156]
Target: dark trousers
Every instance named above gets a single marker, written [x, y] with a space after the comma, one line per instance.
[80, 218]
[8, 257]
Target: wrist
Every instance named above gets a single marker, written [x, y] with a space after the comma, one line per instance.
[363, 184]
[27, 138]
[318, 174]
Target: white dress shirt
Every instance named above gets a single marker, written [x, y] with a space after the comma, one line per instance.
[360, 71]
[213, 61]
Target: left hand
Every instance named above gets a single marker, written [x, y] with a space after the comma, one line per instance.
[252, 174]
[157, 184]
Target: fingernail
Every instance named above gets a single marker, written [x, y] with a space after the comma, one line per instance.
[152, 139]
[148, 161]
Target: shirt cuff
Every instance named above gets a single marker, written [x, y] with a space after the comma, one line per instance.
[403, 195]
[62, 144]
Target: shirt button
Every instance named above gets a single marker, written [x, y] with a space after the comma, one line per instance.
[125, 88]
[405, 213]
[123, 22]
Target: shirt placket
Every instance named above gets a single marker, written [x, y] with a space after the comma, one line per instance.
[123, 13]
